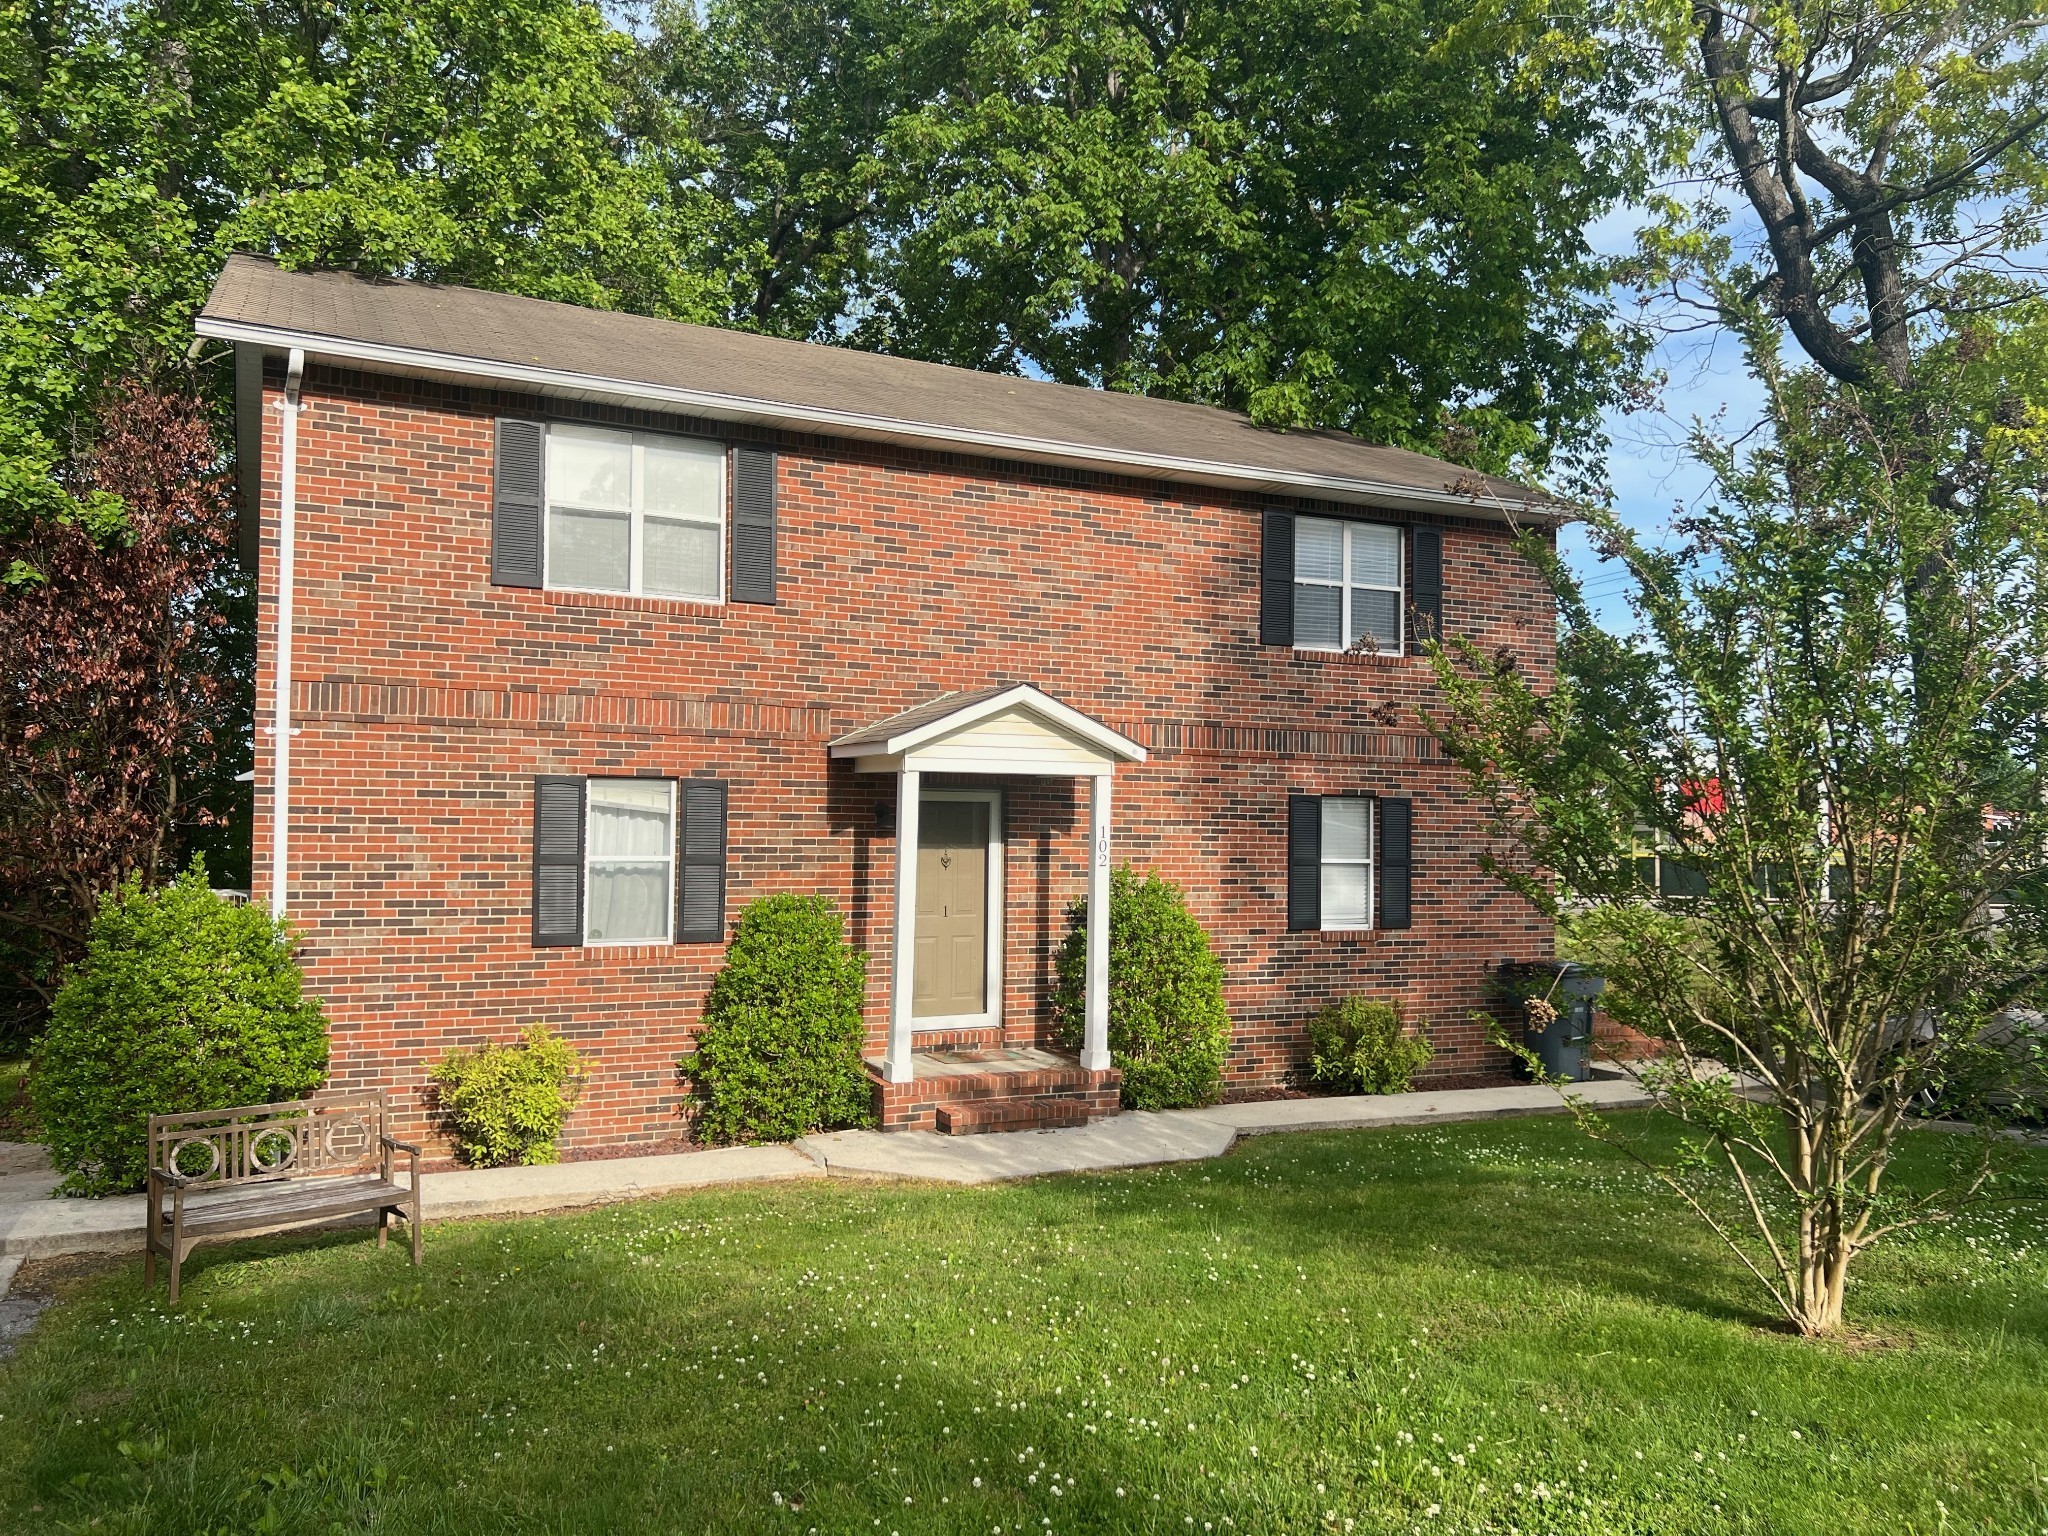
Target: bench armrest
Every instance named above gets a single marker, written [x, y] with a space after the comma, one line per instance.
[172, 1177]
[400, 1146]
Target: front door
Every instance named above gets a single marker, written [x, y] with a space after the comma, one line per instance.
[951, 979]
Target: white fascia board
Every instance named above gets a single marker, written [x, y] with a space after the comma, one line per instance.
[717, 406]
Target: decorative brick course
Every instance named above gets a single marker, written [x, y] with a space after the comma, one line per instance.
[426, 700]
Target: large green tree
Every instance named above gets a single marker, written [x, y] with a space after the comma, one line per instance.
[1372, 218]
[450, 140]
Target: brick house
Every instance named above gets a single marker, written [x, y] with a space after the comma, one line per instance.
[578, 631]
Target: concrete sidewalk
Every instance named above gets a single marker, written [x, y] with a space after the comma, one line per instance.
[33, 1225]
[1135, 1139]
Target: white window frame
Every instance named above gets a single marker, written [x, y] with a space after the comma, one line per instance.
[590, 857]
[1370, 862]
[1346, 586]
[636, 513]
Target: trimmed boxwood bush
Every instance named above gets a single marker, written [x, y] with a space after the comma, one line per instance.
[1168, 1026]
[181, 1002]
[508, 1103]
[1362, 1046]
[779, 1055]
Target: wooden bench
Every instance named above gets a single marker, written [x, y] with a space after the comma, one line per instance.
[234, 1172]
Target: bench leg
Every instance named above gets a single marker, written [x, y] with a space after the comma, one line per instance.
[149, 1264]
[177, 1263]
[383, 1224]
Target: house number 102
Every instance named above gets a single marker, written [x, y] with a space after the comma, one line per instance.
[1102, 849]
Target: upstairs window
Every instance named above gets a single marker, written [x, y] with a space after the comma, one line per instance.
[1347, 586]
[635, 512]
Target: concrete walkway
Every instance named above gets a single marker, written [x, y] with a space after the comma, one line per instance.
[1137, 1138]
[33, 1225]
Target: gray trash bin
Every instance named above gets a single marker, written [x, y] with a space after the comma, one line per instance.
[1562, 1042]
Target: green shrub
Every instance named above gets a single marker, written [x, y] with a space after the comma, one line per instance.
[507, 1103]
[779, 1055]
[1361, 1046]
[181, 1002]
[1168, 1026]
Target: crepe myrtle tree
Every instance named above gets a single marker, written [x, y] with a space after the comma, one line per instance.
[1845, 759]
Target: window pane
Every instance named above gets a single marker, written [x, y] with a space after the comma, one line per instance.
[590, 469]
[1377, 614]
[1318, 616]
[1344, 893]
[1375, 555]
[628, 901]
[590, 549]
[629, 818]
[679, 559]
[1318, 550]
[685, 478]
[1346, 828]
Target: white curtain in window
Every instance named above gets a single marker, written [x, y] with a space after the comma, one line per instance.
[632, 853]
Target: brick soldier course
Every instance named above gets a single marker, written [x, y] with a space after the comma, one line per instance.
[426, 701]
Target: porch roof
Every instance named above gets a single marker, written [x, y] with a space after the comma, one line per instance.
[1006, 728]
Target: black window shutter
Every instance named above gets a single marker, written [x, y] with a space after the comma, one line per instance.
[1304, 862]
[700, 869]
[1425, 586]
[557, 860]
[753, 526]
[516, 504]
[1276, 580]
[1396, 851]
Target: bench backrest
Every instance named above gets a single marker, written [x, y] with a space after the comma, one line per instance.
[334, 1133]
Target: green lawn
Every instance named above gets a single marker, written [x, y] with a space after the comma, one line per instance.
[1496, 1327]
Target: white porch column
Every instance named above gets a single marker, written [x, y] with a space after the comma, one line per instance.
[903, 949]
[1095, 1027]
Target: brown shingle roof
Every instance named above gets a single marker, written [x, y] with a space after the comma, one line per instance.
[560, 349]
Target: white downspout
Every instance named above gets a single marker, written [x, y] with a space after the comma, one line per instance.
[281, 675]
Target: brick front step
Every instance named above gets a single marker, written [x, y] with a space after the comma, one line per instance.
[1035, 1114]
[993, 1090]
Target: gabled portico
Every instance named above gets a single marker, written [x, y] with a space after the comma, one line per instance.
[1006, 731]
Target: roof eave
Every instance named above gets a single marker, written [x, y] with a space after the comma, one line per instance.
[713, 405]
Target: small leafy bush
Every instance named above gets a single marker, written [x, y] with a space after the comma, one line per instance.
[181, 1002]
[779, 1055]
[1168, 1025]
[1362, 1046]
[507, 1103]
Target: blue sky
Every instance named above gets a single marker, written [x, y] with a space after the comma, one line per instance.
[1648, 465]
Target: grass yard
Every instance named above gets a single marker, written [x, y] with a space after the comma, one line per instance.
[1493, 1327]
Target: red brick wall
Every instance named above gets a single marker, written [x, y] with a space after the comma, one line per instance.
[426, 700]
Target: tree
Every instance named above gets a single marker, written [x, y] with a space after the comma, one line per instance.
[123, 699]
[449, 140]
[1831, 721]
[1890, 154]
[1847, 762]
[1330, 217]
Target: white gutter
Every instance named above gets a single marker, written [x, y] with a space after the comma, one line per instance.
[281, 674]
[728, 407]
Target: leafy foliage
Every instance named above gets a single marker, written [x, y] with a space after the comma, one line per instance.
[182, 1002]
[120, 718]
[508, 1103]
[1327, 216]
[780, 1052]
[1168, 1025]
[1361, 1045]
[1833, 718]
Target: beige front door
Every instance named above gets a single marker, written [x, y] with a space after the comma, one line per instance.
[952, 909]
